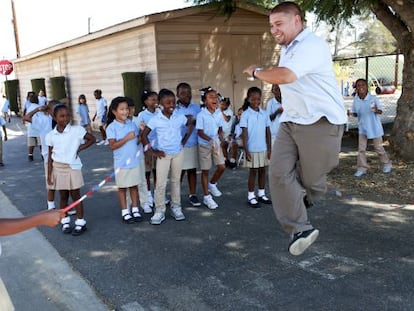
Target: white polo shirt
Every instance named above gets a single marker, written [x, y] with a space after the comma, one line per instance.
[100, 107]
[66, 144]
[315, 93]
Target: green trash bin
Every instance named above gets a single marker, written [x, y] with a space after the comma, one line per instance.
[133, 87]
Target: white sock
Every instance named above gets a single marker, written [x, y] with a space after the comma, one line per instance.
[80, 222]
[261, 192]
[250, 195]
[212, 185]
[135, 210]
[124, 212]
[51, 205]
[149, 194]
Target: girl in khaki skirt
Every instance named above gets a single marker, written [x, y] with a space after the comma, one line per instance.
[122, 136]
[64, 172]
[256, 137]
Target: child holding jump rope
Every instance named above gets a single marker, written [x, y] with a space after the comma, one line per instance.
[64, 172]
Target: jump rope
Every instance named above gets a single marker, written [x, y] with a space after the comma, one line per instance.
[103, 182]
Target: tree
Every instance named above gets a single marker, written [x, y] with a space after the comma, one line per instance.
[398, 18]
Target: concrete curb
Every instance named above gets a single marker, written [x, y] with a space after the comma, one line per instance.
[36, 276]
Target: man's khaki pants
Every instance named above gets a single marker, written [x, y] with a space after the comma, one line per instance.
[302, 155]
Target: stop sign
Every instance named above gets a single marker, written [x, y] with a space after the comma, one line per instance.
[6, 67]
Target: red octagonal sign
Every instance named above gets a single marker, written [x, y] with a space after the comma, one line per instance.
[6, 67]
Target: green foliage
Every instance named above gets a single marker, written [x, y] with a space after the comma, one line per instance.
[376, 39]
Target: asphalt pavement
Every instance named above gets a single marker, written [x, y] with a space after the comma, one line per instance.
[232, 258]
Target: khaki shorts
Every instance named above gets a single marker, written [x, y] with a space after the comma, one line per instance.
[127, 177]
[190, 158]
[66, 178]
[33, 141]
[258, 159]
[206, 155]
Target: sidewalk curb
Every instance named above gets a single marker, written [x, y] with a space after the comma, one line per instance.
[36, 276]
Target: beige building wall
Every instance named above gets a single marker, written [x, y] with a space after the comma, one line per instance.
[95, 64]
[179, 47]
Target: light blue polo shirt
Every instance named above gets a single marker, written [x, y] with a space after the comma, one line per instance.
[315, 93]
[193, 110]
[144, 117]
[129, 151]
[256, 123]
[209, 123]
[168, 131]
[369, 122]
[272, 106]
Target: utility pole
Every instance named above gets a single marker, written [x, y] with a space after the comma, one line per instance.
[16, 32]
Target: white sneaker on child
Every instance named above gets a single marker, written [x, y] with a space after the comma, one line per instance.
[209, 202]
[147, 208]
[157, 218]
[177, 212]
[212, 188]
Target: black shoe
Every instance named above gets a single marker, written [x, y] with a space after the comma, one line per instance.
[308, 204]
[128, 219]
[66, 229]
[30, 157]
[1, 164]
[78, 230]
[253, 203]
[194, 200]
[302, 240]
[264, 199]
[137, 216]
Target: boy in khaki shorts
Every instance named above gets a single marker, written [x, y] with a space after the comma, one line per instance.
[209, 129]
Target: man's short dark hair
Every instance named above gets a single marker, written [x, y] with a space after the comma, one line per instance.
[288, 7]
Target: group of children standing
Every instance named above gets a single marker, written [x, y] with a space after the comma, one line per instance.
[172, 137]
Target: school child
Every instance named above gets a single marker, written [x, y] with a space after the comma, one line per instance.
[367, 108]
[83, 111]
[236, 141]
[41, 120]
[100, 115]
[150, 102]
[228, 120]
[122, 136]
[3, 125]
[33, 138]
[255, 125]
[167, 127]
[142, 184]
[42, 99]
[5, 109]
[274, 109]
[209, 128]
[190, 151]
[64, 172]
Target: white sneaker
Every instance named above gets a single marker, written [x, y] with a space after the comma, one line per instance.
[106, 142]
[147, 208]
[387, 168]
[209, 202]
[177, 213]
[150, 199]
[100, 143]
[359, 173]
[212, 188]
[158, 218]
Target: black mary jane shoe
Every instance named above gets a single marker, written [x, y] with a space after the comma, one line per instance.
[78, 230]
[128, 219]
[253, 203]
[265, 200]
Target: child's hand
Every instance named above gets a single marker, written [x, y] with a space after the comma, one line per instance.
[49, 180]
[248, 156]
[141, 126]
[5, 137]
[131, 135]
[158, 153]
[51, 218]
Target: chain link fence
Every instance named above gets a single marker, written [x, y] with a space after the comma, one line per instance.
[384, 76]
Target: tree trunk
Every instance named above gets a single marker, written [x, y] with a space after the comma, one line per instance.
[402, 135]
